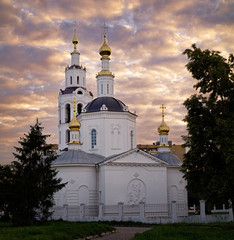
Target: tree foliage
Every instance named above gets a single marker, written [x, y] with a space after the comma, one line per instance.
[209, 164]
[30, 182]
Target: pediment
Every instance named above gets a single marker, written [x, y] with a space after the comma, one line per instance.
[135, 157]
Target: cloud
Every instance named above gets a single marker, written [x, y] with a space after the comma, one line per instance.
[147, 39]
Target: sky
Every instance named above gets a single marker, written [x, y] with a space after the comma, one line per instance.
[147, 39]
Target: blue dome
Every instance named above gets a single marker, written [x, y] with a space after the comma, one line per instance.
[170, 158]
[112, 104]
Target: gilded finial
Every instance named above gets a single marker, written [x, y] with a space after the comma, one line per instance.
[105, 50]
[75, 39]
[163, 128]
[105, 29]
[74, 105]
[163, 110]
[74, 124]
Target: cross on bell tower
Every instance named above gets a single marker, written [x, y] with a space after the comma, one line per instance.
[163, 108]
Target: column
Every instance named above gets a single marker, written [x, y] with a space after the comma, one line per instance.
[101, 211]
[142, 211]
[173, 212]
[203, 210]
[120, 210]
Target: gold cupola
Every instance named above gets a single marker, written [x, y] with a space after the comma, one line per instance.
[163, 128]
[105, 50]
[74, 125]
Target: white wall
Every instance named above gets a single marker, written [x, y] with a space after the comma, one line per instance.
[176, 185]
[131, 184]
[81, 185]
[113, 132]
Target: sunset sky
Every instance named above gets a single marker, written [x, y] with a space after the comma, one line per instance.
[147, 38]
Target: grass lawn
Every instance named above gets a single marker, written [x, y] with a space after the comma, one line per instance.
[53, 230]
[217, 231]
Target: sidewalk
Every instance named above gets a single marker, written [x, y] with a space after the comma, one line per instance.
[123, 233]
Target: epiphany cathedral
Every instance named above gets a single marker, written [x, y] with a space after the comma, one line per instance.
[97, 141]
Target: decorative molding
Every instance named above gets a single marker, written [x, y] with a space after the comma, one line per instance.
[104, 107]
[72, 181]
[136, 175]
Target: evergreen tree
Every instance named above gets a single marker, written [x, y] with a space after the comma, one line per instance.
[209, 164]
[33, 180]
[6, 190]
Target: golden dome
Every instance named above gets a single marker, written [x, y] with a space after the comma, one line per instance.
[74, 124]
[105, 50]
[75, 41]
[163, 128]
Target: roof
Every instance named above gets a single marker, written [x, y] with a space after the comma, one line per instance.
[69, 90]
[109, 104]
[77, 157]
[81, 157]
[170, 158]
[75, 67]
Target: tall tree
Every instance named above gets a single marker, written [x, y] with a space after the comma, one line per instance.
[209, 164]
[33, 180]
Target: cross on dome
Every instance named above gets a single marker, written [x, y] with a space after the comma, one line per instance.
[163, 110]
[163, 128]
[74, 104]
[74, 124]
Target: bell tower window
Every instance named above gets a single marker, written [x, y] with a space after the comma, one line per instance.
[67, 136]
[101, 88]
[67, 113]
[131, 136]
[78, 80]
[79, 108]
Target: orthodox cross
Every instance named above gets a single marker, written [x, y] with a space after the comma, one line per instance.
[105, 29]
[163, 110]
[74, 104]
[75, 25]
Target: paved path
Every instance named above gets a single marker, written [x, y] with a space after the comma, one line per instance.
[123, 233]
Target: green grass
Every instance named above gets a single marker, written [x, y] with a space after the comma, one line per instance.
[53, 230]
[221, 231]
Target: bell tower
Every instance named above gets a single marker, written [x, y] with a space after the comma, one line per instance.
[75, 90]
[105, 78]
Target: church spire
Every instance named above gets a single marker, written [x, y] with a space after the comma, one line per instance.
[105, 78]
[75, 55]
[163, 130]
[75, 40]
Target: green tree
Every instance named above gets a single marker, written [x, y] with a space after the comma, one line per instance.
[209, 164]
[33, 181]
[6, 190]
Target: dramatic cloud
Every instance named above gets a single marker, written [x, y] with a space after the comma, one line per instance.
[147, 38]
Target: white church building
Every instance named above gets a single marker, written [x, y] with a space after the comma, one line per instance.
[106, 175]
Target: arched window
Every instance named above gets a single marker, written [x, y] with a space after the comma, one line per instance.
[93, 138]
[59, 113]
[101, 88]
[67, 113]
[107, 88]
[78, 80]
[70, 79]
[67, 136]
[79, 108]
[131, 135]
